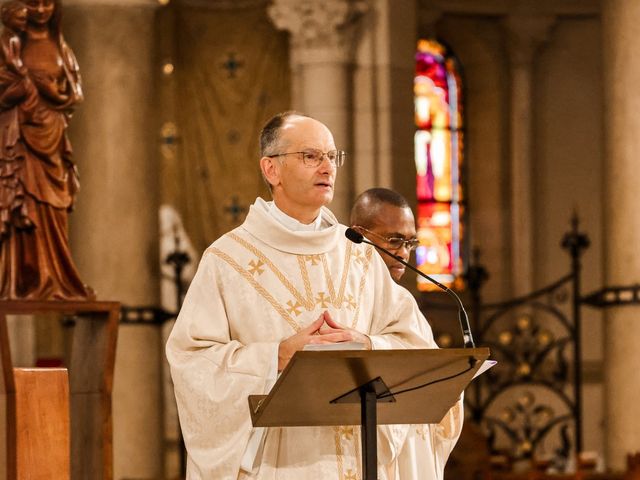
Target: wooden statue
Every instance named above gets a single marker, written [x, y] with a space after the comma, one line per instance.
[39, 85]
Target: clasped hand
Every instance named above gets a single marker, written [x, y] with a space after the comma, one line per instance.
[323, 330]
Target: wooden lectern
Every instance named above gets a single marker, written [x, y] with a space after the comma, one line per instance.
[93, 345]
[367, 388]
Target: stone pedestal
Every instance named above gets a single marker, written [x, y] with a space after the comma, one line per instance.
[621, 27]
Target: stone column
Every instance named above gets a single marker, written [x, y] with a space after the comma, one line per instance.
[322, 45]
[524, 35]
[621, 35]
[383, 113]
[114, 228]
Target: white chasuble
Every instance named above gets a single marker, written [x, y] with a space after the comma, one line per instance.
[256, 286]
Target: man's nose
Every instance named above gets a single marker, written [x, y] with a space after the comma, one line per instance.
[326, 164]
[404, 252]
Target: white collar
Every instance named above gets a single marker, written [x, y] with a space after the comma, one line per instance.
[293, 224]
[263, 226]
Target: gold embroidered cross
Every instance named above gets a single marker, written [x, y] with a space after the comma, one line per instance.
[351, 475]
[346, 432]
[314, 259]
[294, 308]
[323, 300]
[256, 267]
[358, 256]
[350, 302]
[421, 430]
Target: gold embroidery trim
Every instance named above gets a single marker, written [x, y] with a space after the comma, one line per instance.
[367, 256]
[259, 288]
[327, 276]
[350, 435]
[307, 282]
[345, 274]
[307, 302]
[339, 452]
[337, 300]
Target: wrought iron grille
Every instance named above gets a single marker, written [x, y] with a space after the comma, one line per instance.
[529, 405]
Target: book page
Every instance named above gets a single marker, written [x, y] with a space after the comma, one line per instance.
[318, 347]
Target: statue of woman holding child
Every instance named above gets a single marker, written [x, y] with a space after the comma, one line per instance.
[39, 86]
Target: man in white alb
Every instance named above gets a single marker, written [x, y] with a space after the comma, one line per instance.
[285, 278]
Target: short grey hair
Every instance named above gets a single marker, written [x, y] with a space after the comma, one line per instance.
[270, 133]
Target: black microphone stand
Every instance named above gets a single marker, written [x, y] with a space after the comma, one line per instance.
[357, 237]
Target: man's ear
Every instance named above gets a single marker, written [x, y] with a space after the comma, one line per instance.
[270, 171]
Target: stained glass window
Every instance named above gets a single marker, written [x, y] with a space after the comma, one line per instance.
[438, 155]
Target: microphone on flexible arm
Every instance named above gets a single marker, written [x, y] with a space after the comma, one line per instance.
[357, 237]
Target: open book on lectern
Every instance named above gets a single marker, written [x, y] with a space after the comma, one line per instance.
[413, 386]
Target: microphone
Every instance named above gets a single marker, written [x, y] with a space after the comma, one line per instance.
[357, 237]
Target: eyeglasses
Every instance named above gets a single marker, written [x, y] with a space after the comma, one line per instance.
[313, 157]
[395, 243]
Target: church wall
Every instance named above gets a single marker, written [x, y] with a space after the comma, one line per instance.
[114, 149]
[365, 155]
[568, 173]
[478, 44]
[383, 122]
[114, 228]
[383, 99]
[227, 84]
[620, 21]
[401, 64]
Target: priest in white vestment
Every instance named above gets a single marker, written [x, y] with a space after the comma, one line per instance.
[285, 278]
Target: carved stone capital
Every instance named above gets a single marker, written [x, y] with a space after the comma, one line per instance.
[321, 30]
[525, 34]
